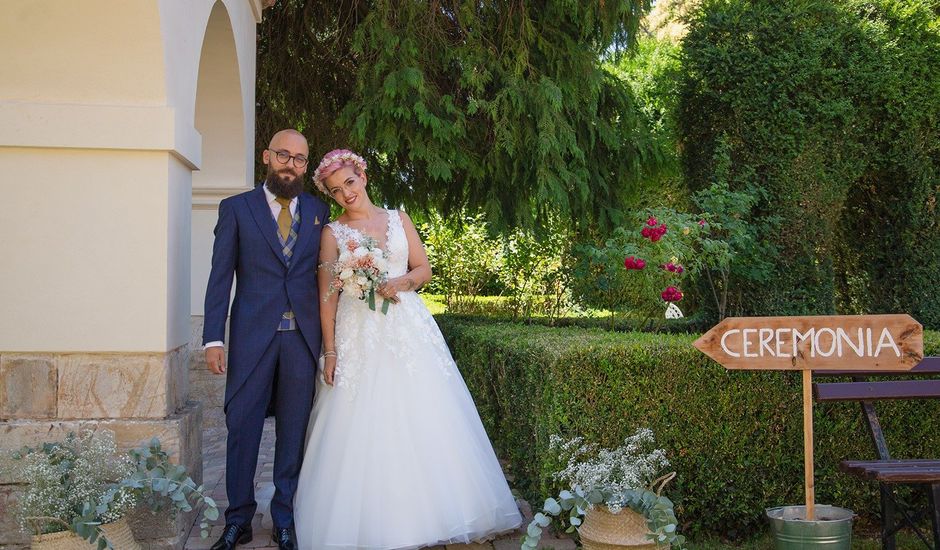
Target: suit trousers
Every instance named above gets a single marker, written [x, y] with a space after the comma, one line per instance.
[285, 373]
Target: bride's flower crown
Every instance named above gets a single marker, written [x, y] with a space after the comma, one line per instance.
[341, 156]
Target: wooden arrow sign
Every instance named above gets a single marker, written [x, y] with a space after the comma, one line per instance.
[832, 342]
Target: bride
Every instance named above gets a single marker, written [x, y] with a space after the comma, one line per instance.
[396, 455]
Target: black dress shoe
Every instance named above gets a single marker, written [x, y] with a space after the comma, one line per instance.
[233, 534]
[284, 538]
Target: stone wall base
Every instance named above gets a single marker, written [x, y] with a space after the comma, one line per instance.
[204, 386]
[180, 435]
[67, 386]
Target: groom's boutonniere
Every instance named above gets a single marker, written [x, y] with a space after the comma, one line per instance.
[360, 269]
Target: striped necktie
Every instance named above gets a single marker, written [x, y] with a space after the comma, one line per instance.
[283, 218]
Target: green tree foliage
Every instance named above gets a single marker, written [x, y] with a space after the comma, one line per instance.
[653, 71]
[827, 112]
[891, 224]
[503, 106]
[465, 257]
[529, 270]
[774, 81]
[306, 71]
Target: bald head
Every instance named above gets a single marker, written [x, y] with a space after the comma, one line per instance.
[286, 158]
[291, 140]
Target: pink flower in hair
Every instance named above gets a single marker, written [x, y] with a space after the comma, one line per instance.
[333, 161]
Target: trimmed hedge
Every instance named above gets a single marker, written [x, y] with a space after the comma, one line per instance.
[829, 114]
[685, 325]
[735, 438]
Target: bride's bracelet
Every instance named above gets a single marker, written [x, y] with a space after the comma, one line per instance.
[328, 354]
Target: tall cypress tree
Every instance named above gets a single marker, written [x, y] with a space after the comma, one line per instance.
[503, 106]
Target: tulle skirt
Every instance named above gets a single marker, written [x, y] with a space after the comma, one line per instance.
[398, 459]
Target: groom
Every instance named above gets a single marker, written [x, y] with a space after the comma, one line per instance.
[269, 238]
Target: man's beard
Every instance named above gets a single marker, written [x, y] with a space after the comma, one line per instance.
[284, 185]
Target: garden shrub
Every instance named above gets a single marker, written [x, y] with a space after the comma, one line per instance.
[464, 256]
[829, 113]
[891, 224]
[470, 262]
[628, 272]
[774, 80]
[735, 438]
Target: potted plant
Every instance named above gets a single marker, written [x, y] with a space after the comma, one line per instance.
[81, 489]
[614, 498]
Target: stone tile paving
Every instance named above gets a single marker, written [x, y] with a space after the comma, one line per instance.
[213, 458]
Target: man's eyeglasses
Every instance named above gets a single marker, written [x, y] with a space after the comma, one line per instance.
[284, 157]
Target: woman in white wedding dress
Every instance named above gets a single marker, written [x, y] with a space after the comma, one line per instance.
[396, 455]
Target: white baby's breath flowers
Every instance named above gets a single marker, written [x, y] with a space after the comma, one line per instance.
[633, 465]
[62, 477]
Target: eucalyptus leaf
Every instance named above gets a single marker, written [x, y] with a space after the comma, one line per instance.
[534, 530]
[542, 520]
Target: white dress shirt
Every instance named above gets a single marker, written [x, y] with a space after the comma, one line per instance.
[275, 210]
[275, 207]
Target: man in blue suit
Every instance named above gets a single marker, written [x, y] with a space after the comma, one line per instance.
[269, 240]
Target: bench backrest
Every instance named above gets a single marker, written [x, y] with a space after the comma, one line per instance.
[865, 390]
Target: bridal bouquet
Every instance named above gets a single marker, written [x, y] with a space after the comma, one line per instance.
[360, 269]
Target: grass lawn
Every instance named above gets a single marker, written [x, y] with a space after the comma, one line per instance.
[860, 541]
[497, 305]
[434, 302]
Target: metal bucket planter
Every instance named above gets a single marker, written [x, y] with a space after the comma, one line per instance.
[831, 530]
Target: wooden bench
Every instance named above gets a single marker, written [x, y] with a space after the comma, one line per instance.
[886, 471]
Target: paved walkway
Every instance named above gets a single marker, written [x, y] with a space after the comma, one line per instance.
[213, 459]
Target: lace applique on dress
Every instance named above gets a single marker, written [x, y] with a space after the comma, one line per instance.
[407, 337]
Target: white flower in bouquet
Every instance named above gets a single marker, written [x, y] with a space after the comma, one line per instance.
[360, 269]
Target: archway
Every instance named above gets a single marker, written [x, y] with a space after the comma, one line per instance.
[219, 118]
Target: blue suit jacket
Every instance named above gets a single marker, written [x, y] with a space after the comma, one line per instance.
[246, 246]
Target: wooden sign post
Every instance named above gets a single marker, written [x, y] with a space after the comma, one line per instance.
[834, 342]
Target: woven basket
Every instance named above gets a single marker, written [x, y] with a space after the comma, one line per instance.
[63, 540]
[602, 530]
[120, 535]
